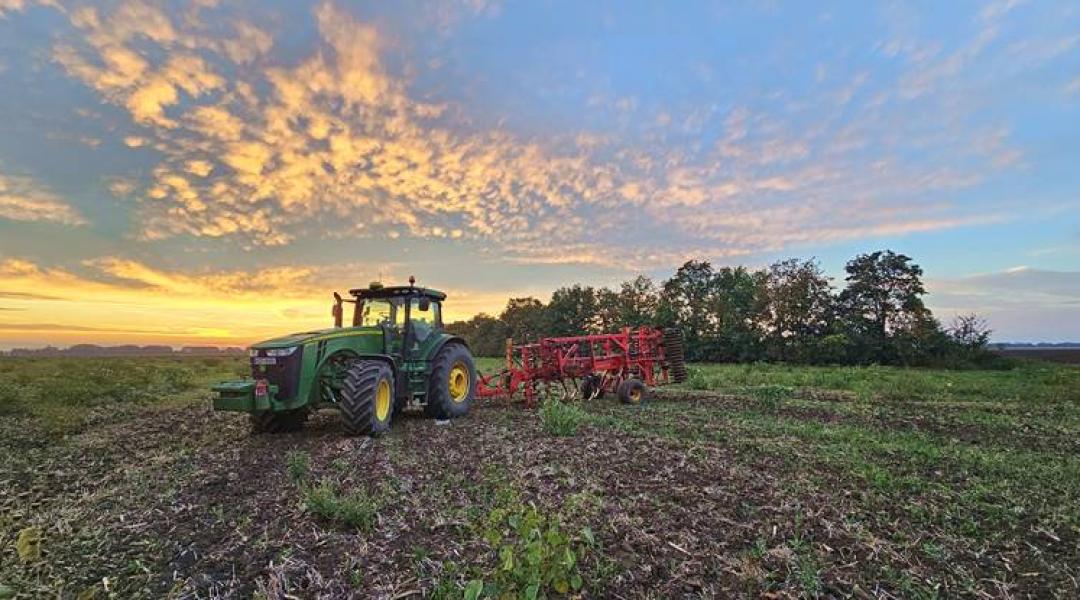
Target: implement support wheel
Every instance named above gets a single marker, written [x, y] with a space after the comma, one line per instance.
[631, 391]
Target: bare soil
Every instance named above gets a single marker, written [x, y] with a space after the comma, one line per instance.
[685, 496]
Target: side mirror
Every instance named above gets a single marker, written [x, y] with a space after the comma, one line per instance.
[425, 305]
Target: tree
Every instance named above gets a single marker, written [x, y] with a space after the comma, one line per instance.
[685, 303]
[572, 311]
[714, 309]
[795, 310]
[882, 298]
[970, 332]
[969, 336]
[608, 316]
[485, 334]
[525, 319]
[733, 300]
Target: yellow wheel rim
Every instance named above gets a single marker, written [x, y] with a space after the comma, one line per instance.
[382, 400]
[635, 395]
[459, 382]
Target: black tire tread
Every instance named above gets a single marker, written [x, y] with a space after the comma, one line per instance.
[623, 391]
[358, 396]
[438, 396]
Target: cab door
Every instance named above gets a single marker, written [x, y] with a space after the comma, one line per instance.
[395, 332]
[425, 322]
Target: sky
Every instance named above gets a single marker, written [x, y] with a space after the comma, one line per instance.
[208, 172]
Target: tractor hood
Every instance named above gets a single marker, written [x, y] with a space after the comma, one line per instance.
[296, 339]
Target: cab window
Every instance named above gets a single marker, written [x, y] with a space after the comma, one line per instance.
[423, 321]
[379, 312]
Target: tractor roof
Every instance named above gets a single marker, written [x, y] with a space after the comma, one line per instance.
[397, 291]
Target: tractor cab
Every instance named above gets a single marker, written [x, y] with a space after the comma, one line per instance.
[407, 315]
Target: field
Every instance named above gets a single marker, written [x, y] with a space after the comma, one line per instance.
[116, 480]
[1069, 355]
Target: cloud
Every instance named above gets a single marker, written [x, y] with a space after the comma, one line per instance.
[122, 186]
[1021, 303]
[334, 142]
[23, 199]
[1018, 286]
[27, 296]
[49, 327]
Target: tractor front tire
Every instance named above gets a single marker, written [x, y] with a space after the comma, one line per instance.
[282, 421]
[631, 391]
[452, 384]
[367, 397]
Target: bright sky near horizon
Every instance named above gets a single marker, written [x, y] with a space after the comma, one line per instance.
[207, 172]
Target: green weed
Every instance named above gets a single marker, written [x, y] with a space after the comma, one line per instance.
[536, 555]
[560, 418]
[770, 397]
[297, 466]
[356, 508]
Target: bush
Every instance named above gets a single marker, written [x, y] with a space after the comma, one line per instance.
[559, 418]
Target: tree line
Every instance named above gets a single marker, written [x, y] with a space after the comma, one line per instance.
[787, 312]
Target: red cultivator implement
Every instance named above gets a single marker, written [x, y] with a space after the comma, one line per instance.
[623, 363]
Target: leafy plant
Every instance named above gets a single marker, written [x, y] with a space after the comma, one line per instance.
[560, 418]
[535, 554]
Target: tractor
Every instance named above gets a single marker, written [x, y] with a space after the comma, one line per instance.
[393, 356]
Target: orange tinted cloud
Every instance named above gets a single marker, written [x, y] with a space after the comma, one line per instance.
[22, 199]
[333, 141]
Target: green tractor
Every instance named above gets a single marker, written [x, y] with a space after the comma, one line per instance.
[394, 355]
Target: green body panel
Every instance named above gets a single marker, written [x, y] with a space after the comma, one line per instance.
[322, 356]
[241, 396]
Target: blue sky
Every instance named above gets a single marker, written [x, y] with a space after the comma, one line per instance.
[250, 157]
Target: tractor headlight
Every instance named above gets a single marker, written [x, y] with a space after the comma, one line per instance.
[281, 351]
[253, 352]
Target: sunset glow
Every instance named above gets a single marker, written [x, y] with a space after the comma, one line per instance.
[195, 173]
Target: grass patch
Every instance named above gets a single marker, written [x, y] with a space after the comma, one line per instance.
[1031, 382]
[62, 393]
[561, 418]
[355, 508]
[297, 466]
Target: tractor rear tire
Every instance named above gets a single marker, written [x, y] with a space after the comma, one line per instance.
[452, 384]
[367, 398]
[282, 421]
[631, 391]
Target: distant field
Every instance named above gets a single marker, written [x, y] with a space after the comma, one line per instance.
[746, 480]
[1062, 355]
